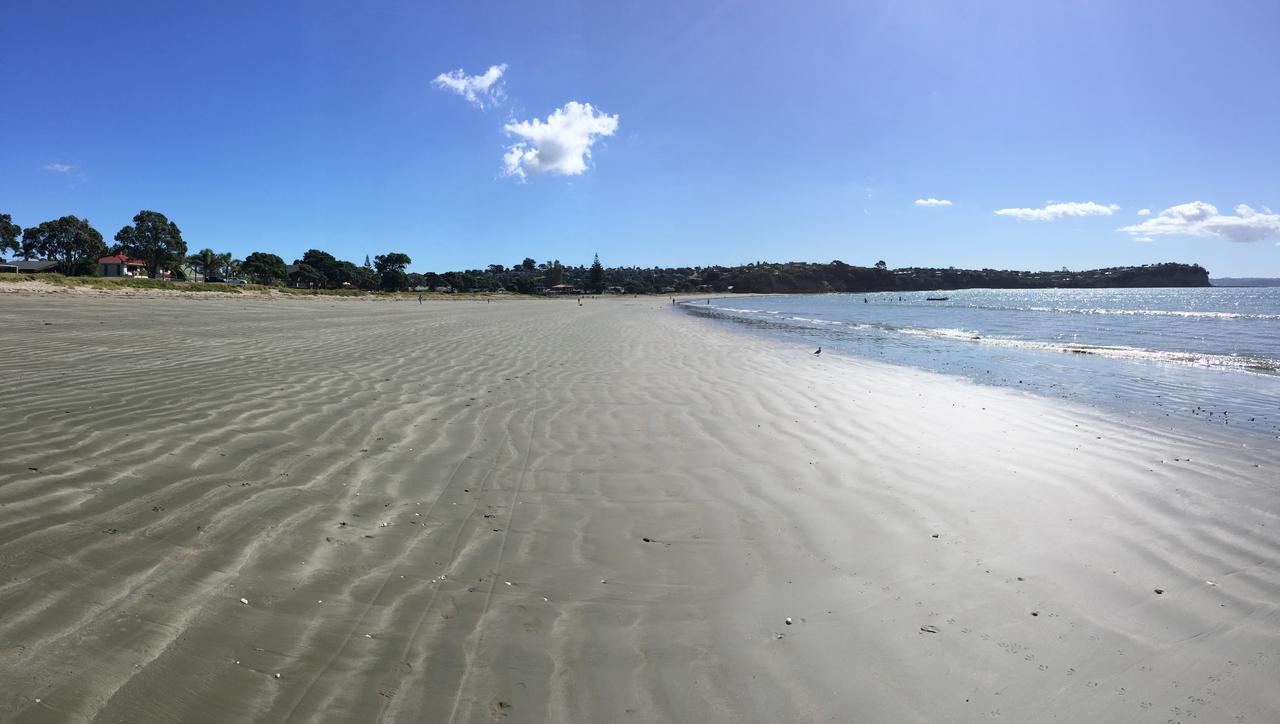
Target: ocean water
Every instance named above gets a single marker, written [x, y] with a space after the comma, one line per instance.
[1205, 355]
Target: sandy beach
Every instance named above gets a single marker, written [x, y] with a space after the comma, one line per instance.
[280, 510]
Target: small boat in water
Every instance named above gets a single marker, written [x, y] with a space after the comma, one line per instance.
[936, 299]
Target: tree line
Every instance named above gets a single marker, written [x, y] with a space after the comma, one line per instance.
[804, 278]
[76, 246]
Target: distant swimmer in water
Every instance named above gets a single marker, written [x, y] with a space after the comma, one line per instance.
[818, 351]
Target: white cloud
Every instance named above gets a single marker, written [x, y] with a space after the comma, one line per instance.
[1144, 238]
[480, 90]
[561, 145]
[1052, 211]
[932, 202]
[1198, 218]
[1144, 212]
[59, 167]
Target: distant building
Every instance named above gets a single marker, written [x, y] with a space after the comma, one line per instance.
[119, 265]
[34, 266]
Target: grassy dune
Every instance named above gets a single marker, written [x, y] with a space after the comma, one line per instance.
[121, 284]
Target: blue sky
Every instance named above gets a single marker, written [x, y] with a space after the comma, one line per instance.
[716, 132]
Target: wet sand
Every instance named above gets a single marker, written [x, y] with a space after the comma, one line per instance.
[535, 511]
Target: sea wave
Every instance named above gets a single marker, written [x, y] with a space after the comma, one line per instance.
[1240, 362]
[1103, 311]
[1182, 313]
[1246, 363]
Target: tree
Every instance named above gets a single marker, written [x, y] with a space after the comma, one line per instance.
[305, 275]
[204, 261]
[596, 279]
[395, 260]
[9, 232]
[346, 273]
[264, 268]
[153, 239]
[454, 279]
[365, 278]
[394, 280]
[528, 264]
[881, 265]
[555, 273]
[391, 269]
[223, 264]
[331, 271]
[70, 241]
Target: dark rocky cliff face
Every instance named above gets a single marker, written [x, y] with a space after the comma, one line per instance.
[1163, 275]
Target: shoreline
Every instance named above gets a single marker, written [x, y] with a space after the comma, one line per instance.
[596, 513]
[1199, 395]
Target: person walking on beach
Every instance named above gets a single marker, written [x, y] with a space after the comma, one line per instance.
[419, 297]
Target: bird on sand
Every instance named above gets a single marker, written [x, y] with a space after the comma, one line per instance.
[818, 351]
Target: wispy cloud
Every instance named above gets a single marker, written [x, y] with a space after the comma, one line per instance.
[1198, 218]
[1144, 212]
[561, 145]
[1052, 211]
[933, 202]
[1144, 239]
[479, 90]
[56, 167]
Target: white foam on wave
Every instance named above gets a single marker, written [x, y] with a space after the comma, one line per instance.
[1180, 313]
[1246, 363]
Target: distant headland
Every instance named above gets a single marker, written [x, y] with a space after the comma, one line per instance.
[800, 278]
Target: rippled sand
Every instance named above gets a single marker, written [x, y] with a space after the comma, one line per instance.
[440, 512]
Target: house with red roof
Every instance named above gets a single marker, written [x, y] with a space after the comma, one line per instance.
[119, 265]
